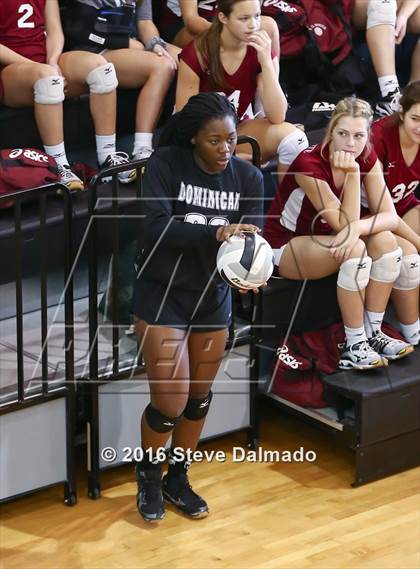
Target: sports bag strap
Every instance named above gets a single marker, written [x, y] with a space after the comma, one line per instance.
[283, 21]
[337, 9]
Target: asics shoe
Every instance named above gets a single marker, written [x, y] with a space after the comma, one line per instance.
[119, 159]
[69, 179]
[177, 491]
[143, 153]
[389, 104]
[390, 348]
[149, 492]
[360, 356]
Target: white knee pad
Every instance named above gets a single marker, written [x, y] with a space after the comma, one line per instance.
[387, 268]
[354, 274]
[291, 146]
[49, 90]
[381, 12]
[409, 278]
[102, 79]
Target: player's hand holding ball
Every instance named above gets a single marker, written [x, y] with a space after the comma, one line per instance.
[245, 259]
[225, 232]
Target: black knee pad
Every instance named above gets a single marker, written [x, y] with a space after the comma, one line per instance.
[158, 421]
[197, 409]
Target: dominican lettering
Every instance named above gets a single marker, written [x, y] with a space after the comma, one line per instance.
[207, 198]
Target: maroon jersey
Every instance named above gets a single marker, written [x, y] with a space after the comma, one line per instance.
[241, 86]
[22, 27]
[291, 212]
[401, 179]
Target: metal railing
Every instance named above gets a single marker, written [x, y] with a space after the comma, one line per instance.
[24, 396]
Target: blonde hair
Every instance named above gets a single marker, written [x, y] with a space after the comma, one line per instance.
[348, 107]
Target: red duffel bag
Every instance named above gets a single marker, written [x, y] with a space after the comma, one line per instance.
[23, 168]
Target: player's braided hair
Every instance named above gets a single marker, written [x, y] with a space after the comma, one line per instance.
[183, 126]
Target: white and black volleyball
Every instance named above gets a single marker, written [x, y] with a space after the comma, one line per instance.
[245, 262]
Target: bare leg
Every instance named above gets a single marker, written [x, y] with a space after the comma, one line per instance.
[268, 136]
[309, 258]
[415, 63]
[406, 302]
[154, 74]
[206, 351]
[18, 81]
[165, 352]
[76, 65]
[380, 40]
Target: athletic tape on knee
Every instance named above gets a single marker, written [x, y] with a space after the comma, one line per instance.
[387, 268]
[159, 422]
[49, 90]
[102, 79]
[354, 274]
[197, 409]
[381, 13]
[291, 146]
[409, 278]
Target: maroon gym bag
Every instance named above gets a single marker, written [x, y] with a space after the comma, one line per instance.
[304, 358]
[23, 168]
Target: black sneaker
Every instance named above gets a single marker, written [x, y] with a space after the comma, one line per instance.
[119, 159]
[149, 494]
[389, 104]
[177, 491]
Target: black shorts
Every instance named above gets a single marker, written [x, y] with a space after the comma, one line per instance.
[90, 48]
[180, 308]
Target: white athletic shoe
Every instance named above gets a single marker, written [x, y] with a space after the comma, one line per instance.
[144, 153]
[360, 356]
[390, 348]
[69, 179]
[119, 159]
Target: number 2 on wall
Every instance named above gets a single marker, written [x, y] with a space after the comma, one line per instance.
[27, 11]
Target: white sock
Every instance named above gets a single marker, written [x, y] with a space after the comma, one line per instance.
[105, 145]
[355, 335]
[142, 139]
[387, 84]
[373, 322]
[411, 332]
[58, 152]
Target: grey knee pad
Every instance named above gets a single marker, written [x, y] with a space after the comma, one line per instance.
[354, 274]
[102, 79]
[387, 268]
[158, 421]
[381, 13]
[49, 90]
[197, 409]
[409, 278]
[291, 146]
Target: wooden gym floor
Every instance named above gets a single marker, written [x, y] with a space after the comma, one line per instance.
[263, 515]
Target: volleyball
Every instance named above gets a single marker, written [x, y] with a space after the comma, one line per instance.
[245, 262]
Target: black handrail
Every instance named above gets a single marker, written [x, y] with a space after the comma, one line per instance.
[40, 195]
